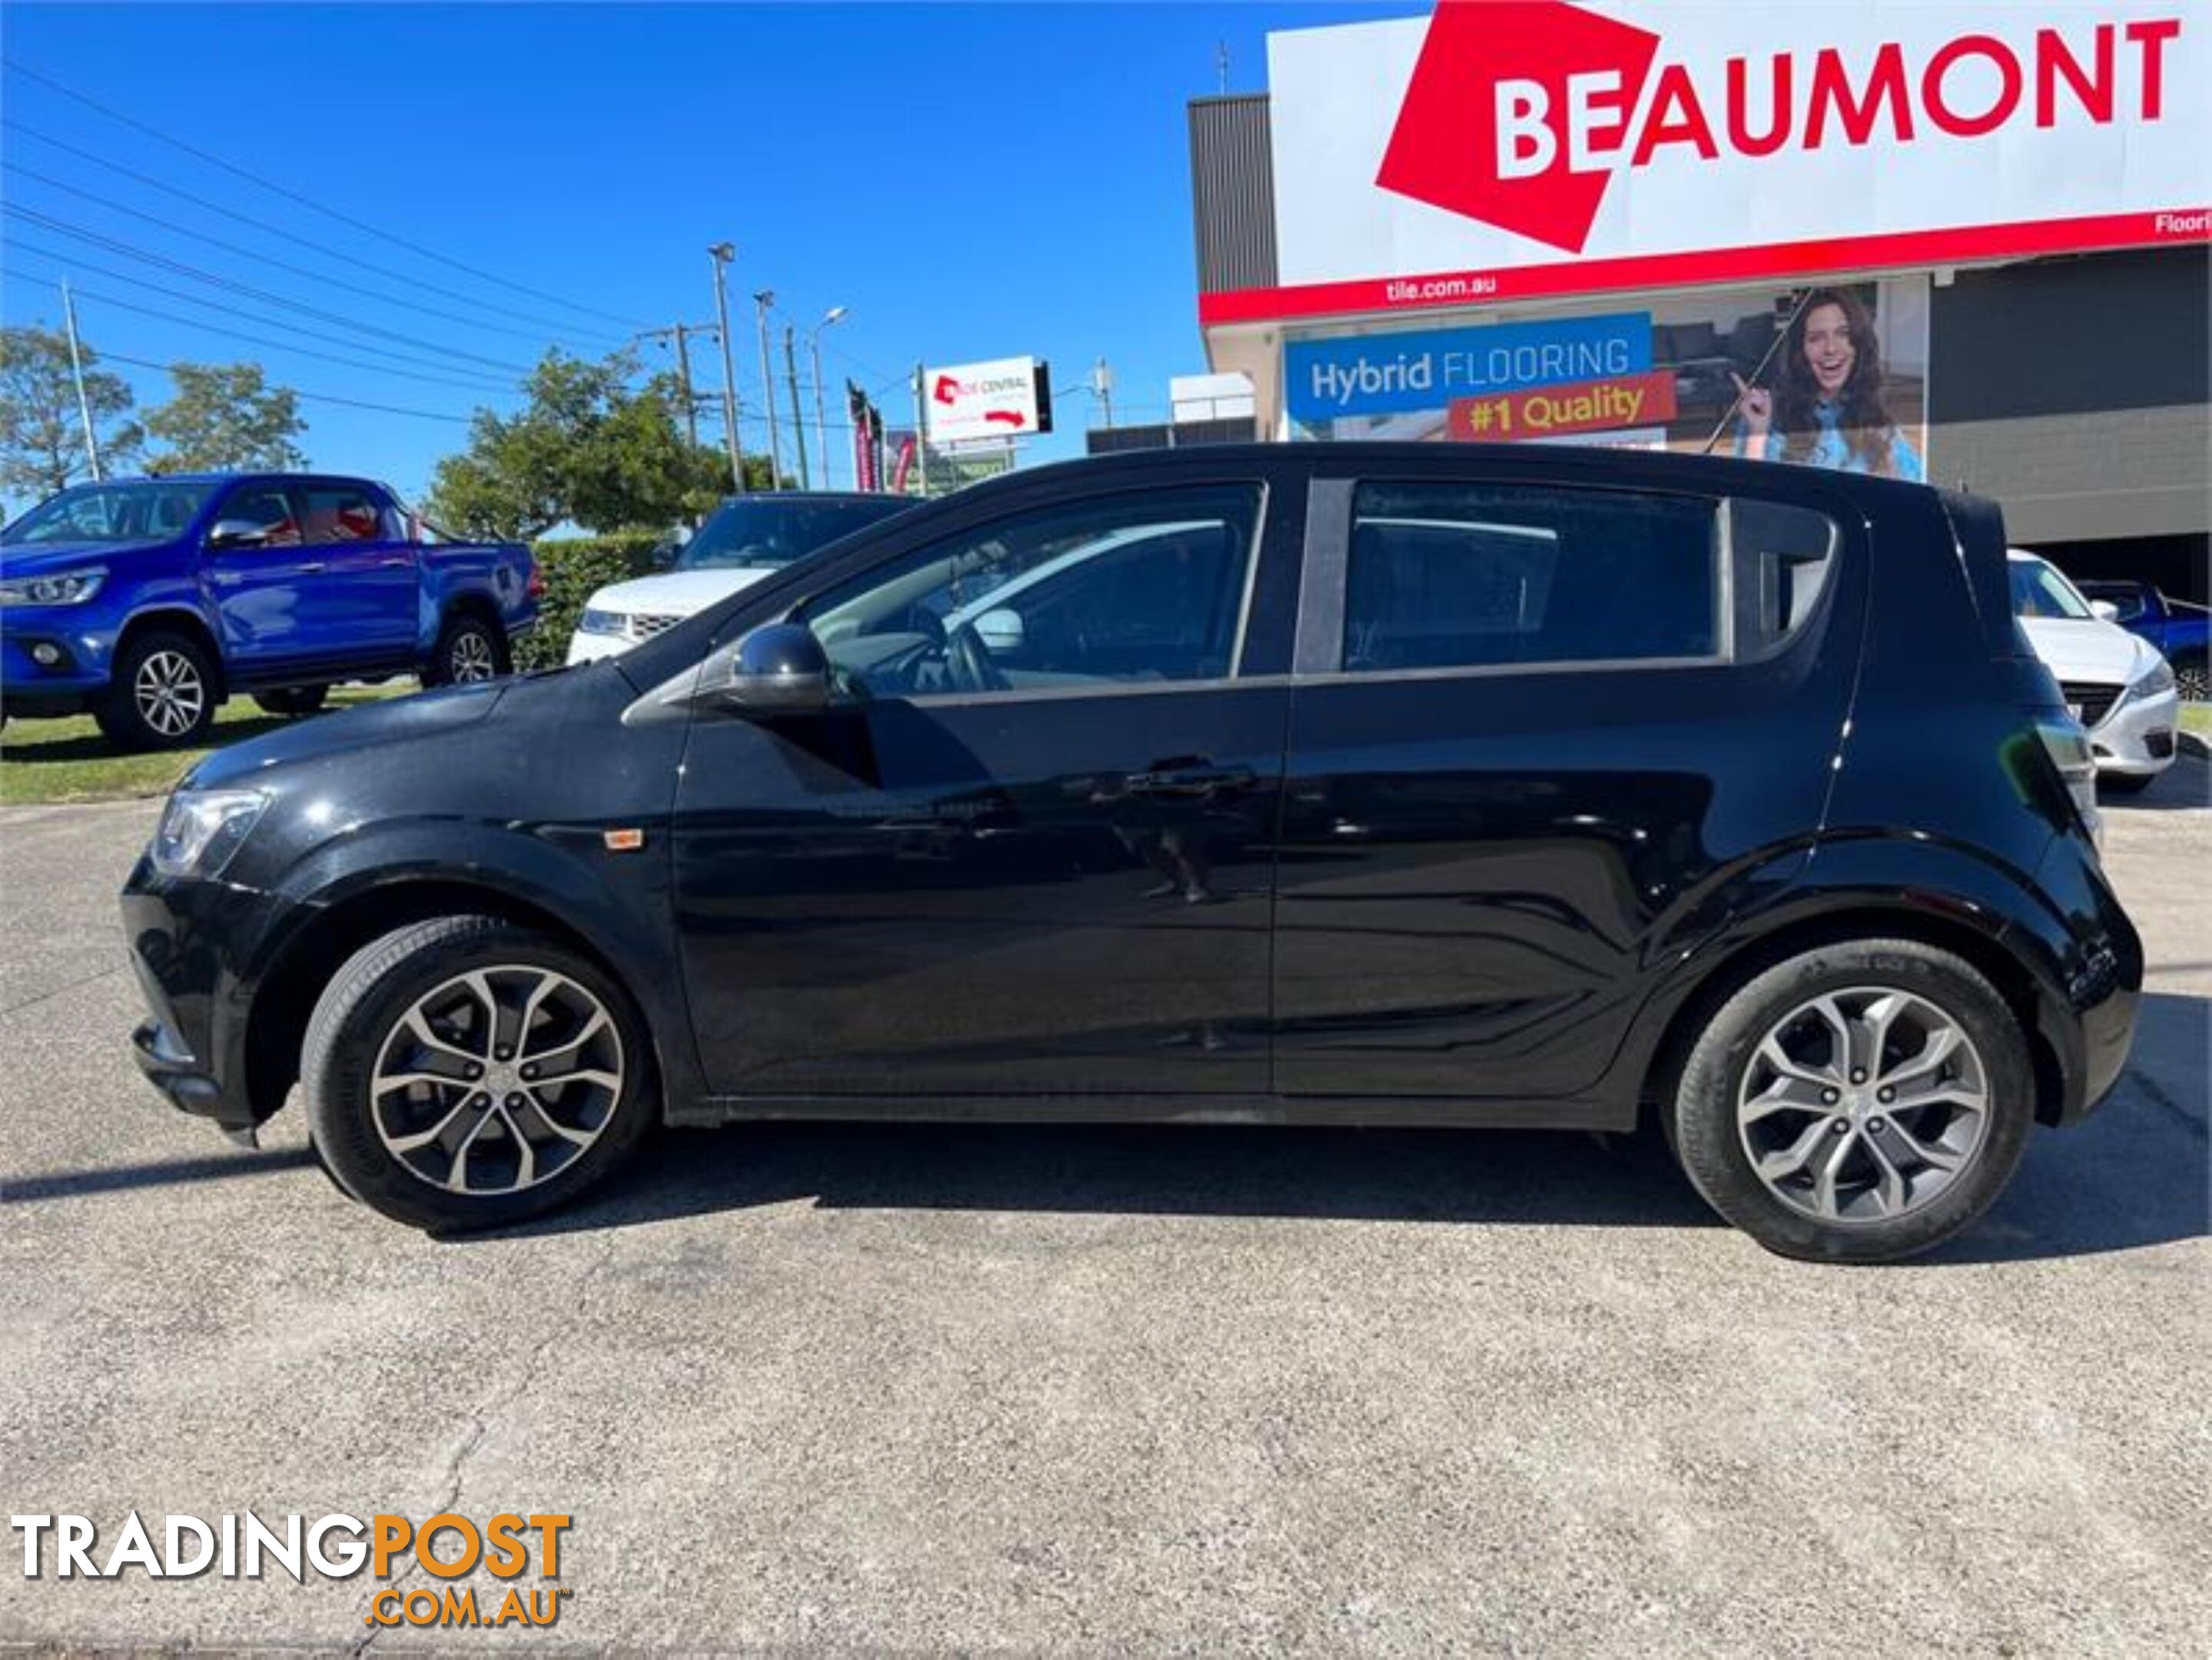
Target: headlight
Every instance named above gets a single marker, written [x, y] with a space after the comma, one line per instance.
[200, 828]
[69, 587]
[602, 621]
[2158, 679]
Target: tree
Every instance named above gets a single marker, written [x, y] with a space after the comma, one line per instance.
[225, 418]
[584, 449]
[42, 429]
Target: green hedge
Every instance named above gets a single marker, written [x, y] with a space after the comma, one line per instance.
[573, 568]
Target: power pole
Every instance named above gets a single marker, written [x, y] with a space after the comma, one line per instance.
[721, 254]
[922, 427]
[77, 374]
[797, 421]
[762, 302]
[683, 378]
[1101, 382]
[1221, 64]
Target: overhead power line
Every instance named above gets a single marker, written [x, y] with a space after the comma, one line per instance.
[74, 263]
[310, 396]
[83, 293]
[77, 233]
[553, 329]
[306, 201]
[266, 258]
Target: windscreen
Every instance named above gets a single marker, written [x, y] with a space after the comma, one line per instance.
[148, 512]
[769, 534]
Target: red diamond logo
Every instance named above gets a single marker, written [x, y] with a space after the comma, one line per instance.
[1490, 87]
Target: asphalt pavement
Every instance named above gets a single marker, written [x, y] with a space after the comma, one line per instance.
[1115, 1390]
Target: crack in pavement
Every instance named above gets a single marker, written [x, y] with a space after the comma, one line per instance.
[481, 1415]
[64, 991]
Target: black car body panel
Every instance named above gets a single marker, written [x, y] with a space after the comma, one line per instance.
[1287, 893]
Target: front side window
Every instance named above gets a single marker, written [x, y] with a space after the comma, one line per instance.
[343, 513]
[1126, 590]
[264, 509]
[1477, 575]
[2038, 589]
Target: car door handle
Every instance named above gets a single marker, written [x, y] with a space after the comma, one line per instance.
[310, 566]
[1191, 780]
[398, 560]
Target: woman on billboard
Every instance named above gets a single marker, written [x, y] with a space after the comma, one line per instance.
[1826, 408]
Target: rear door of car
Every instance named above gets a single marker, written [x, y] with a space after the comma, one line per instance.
[360, 598]
[1542, 723]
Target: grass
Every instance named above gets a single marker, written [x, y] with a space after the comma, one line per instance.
[2196, 718]
[42, 762]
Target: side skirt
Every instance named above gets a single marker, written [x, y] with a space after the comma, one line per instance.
[1382, 1111]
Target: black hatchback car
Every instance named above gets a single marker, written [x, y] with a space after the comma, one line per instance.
[1336, 784]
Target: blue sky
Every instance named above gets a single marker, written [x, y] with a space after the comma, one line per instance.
[971, 181]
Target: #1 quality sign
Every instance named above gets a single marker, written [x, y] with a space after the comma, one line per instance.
[1004, 398]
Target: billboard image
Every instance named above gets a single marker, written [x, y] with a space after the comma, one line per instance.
[1503, 150]
[1002, 398]
[1831, 376]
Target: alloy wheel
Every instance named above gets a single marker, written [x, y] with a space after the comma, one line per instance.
[1862, 1105]
[169, 693]
[2193, 682]
[497, 1081]
[471, 658]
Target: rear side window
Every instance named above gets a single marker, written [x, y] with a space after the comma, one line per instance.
[343, 513]
[1784, 557]
[266, 509]
[1463, 576]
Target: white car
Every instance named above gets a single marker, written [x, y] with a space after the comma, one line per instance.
[2116, 683]
[746, 539]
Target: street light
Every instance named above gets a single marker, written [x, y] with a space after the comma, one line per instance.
[834, 314]
[761, 302]
[722, 253]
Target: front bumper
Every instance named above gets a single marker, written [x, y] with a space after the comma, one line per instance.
[2137, 738]
[182, 934]
[74, 678]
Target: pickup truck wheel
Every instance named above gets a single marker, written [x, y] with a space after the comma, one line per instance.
[162, 696]
[468, 1072]
[293, 700]
[470, 649]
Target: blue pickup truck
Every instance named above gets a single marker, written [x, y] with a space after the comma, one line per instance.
[148, 602]
[2177, 628]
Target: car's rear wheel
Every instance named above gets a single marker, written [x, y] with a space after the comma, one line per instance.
[1859, 1103]
[2191, 680]
[468, 1072]
[469, 650]
[162, 694]
[293, 700]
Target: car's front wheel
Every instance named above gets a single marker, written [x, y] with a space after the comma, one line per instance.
[163, 696]
[467, 1073]
[1859, 1103]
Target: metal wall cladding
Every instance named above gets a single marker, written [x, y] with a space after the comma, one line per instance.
[1233, 193]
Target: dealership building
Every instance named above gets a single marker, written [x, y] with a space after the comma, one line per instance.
[1650, 223]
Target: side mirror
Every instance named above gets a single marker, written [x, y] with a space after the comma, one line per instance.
[2104, 609]
[780, 668]
[1001, 630]
[237, 534]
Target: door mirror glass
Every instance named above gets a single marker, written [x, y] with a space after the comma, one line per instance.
[778, 668]
[237, 534]
[1001, 630]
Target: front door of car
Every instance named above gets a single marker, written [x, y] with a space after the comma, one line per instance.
[1027, 848]
[260, 577]
[1543, 736]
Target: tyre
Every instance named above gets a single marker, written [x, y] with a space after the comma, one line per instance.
[2125, 783]
[294, 700]
[469, 649]
[1859, 1103]
[467, 1073]
[2190, 681]
[163, 693]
